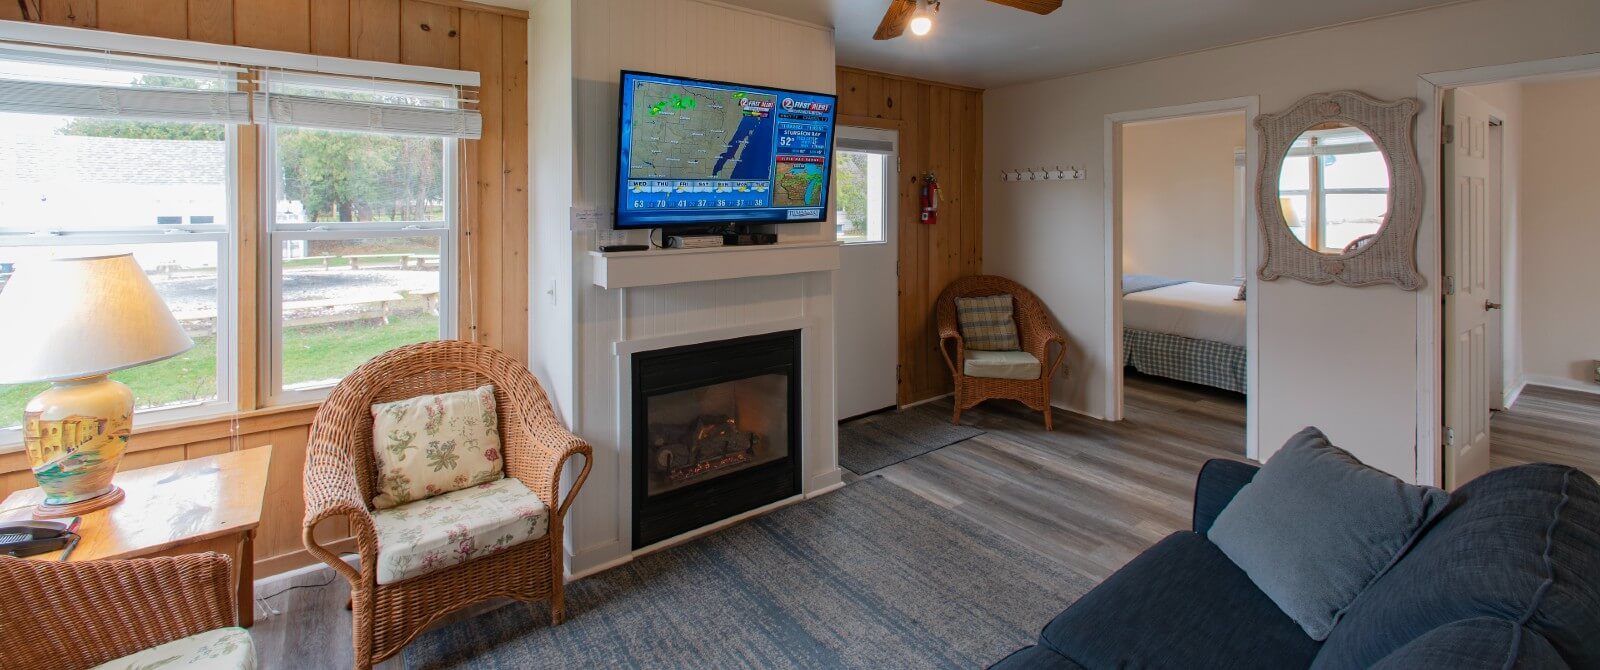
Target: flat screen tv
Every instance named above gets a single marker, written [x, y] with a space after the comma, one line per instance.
[693, 152]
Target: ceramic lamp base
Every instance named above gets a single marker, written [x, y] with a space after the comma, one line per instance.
[74, 433]
[80, 508]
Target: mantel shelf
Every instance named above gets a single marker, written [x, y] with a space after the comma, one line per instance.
[656, 267]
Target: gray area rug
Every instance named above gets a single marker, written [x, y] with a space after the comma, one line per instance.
[881, 440]
[870, 576]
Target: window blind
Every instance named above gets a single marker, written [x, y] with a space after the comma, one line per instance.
[863, 145]
[360, 116]
[118, 102]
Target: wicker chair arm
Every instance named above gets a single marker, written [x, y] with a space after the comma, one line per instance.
[331, 491]
[78, 615]
[1037, 338]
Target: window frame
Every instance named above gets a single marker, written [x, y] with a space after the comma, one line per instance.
[224, 236]
[273, 235]
[891, 157]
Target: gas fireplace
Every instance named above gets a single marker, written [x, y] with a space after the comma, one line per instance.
[715, 432]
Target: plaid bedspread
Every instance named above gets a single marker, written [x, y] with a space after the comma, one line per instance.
[1185, 359]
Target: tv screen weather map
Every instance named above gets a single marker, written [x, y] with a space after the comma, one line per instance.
[696, 152]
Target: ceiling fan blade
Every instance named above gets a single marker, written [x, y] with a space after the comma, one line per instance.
[895, 20]
[1035, 6]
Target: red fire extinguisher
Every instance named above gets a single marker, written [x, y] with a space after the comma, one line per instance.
[930, 199]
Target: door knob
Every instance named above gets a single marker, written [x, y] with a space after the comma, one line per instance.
[1490, 304]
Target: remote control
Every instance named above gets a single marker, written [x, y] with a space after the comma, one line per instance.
[623, 247]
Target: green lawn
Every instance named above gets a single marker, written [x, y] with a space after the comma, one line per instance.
[309, 354]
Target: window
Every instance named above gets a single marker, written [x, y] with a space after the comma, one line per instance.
[862, 166]
[82, 178]
[1334, 188]
[361, 234]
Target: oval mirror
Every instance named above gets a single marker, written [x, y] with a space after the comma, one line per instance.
[1334, 188]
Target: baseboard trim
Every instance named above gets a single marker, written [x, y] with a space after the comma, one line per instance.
[274, 566]
[1509, 395]
[1560, 383]
[925, 401]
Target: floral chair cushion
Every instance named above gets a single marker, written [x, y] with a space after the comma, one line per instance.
[417, 538]
[434, 444]
[220, 649]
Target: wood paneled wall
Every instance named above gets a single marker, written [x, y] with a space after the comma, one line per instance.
[493, 280]
[941, 131]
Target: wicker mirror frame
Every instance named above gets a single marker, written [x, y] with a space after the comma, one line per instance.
[1391, 256]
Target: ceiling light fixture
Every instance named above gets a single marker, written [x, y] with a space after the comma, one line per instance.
[922, 21]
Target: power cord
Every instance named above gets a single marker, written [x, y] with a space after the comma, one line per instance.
[262, 606]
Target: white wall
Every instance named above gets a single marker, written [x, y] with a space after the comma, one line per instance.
[1560, 232]
[696, 39]
[1342, 358]
[1178, 197]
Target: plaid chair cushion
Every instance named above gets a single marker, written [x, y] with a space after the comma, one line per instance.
[986, 323]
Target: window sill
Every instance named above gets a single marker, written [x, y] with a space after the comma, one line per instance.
[233, 419]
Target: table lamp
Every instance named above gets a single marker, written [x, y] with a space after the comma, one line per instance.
[72, 322]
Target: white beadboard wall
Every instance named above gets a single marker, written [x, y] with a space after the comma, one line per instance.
[710, 41]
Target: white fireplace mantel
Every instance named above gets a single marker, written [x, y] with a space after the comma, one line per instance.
[657, 267]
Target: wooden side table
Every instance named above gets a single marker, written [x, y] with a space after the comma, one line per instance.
[187, 507]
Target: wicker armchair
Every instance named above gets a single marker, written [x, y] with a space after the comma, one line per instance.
[70, 616]
[340, 478]
[1033, 331]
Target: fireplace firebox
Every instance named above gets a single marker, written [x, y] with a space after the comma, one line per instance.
[716, 432]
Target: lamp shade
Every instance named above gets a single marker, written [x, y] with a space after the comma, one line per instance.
[79, 317]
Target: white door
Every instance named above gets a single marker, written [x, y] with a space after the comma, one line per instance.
[866, 302]
[1466, 286]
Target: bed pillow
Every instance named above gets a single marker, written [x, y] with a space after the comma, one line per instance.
[434, 444]
[986, 323]
[1316, 526]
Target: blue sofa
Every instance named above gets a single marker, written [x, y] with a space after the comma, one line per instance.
[1507, 576]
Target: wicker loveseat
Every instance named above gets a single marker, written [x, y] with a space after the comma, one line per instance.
[340, 477]
[173, 612]
[1035, 335]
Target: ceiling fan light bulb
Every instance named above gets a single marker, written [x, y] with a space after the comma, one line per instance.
[921, 25]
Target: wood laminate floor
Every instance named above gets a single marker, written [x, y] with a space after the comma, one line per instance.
[1548, 425]
[1090, 494]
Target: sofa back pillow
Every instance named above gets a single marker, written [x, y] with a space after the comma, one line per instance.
[1520, 544]
[1316, 526]
[986, 323]
[434, 444]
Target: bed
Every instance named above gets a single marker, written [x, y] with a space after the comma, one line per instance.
[1184, 330]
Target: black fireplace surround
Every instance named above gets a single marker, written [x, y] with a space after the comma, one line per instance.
[716, 432]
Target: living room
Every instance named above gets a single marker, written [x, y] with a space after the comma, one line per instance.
[765, 334]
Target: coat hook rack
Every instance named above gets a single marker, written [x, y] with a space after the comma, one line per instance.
[1072, 173]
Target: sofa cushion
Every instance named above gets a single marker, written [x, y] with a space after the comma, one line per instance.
[1519, 544]
[417, 538]
[1182, 603]
[986, 323]
[1316, 526]
[434, 444]
[1001, 365]
[1036, 657]
[1475, 644]
[219, 649]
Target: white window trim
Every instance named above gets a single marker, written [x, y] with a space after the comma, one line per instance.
[227, 240]
[270, 279]
[870, 140]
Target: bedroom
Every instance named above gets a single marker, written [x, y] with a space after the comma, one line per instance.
[1181, 222]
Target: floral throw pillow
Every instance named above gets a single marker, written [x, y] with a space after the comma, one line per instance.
[435, 444]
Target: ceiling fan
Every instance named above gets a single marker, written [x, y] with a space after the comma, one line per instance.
[918, 15]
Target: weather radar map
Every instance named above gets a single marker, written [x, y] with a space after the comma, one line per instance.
[694, 151]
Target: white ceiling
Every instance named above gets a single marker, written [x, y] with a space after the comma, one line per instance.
[980, 44]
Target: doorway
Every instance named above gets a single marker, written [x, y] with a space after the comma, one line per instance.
[1515, 344]
[866, 307]
[1180, 248]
